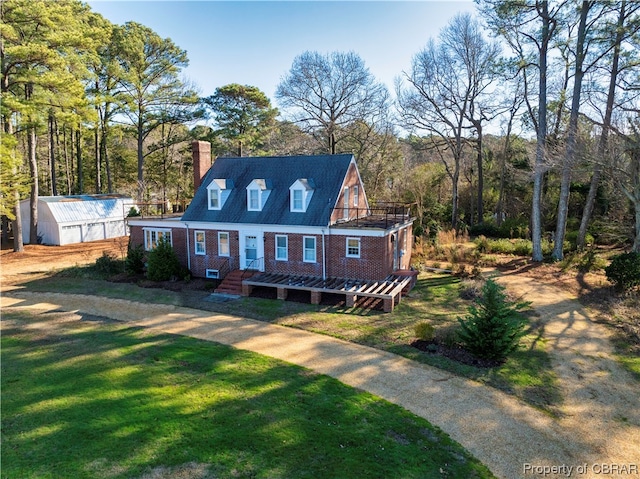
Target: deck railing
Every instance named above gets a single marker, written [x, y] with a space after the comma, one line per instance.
[386, 212]
[253, 266]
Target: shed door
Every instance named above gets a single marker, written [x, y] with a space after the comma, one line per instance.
[94, 232]
[70, 234]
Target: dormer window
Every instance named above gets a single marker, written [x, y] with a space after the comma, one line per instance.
[296, 200]
[300, 194]
[214, 199]
[217, 193]
[257, 193]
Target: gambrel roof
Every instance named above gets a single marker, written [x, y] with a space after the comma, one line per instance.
[324, 173]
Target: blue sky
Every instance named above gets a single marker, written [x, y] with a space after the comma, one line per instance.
[255, 42]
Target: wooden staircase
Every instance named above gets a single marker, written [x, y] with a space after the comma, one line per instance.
[232, 282]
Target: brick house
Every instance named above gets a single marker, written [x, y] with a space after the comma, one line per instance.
[302, 216]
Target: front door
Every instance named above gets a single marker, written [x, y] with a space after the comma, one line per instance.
[252, 251]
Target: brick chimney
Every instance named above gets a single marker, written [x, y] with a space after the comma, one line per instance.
[201, 161]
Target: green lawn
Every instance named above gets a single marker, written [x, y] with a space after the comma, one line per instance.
[436, 298]
[94, 398]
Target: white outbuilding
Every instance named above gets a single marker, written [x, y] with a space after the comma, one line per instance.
[78, 219]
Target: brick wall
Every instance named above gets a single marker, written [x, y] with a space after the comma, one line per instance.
[375, 262]
[201, 152]
[295, 263]
[351, 180]
[211, 259]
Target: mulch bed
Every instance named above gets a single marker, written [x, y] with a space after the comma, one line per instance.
[458, 354]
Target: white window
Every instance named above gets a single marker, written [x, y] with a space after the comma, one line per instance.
[300, 194]
[223, 243]
[214, 199]
[353, 247]
[345, 210]
[355, 196]
[153, 235]
[213, 273]
[199, 240]
[218, 192]
[258, 193]
[296, 200]
[309, 250]
[253, 200]
[282, 248]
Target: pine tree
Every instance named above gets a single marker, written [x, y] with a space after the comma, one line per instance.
[494, 325]
[162, 263]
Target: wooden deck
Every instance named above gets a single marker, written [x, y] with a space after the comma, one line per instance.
[389, 289]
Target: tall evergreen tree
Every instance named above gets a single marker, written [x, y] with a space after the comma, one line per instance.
[44, 49]
[153, 92]
[243, 114]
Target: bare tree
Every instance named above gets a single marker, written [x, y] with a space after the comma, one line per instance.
[626, 25]
[529, 28]
[572, 137]
[447, 82]
[326, 93]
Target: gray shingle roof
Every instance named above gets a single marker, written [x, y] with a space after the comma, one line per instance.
[327, 173]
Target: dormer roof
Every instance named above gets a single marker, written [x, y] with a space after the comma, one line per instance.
[307, 184]
[323, 174]
[221, 184]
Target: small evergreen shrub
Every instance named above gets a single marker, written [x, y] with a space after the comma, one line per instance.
[162, 263]
[424, 331]
[134, 264]
[107, 265]
[572, 239]
[482, 244]
[624, 271]
[486, 228]
[522, 247]
[448, 335]
[493, 327]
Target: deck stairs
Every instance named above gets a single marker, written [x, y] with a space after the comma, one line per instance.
[232, 282]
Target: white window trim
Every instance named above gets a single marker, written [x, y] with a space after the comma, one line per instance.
[210, 193]
[196, 242]
[220, 253]
[345, 202]
[259, 194]
[306, 188]
[263, 187]
[355, 195]
[304, 249]
[286, 248]
[212, 273]
[293, 208]
[164, 231]
[347, 247]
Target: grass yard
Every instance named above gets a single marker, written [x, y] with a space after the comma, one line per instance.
[436, 298]
[85, 397]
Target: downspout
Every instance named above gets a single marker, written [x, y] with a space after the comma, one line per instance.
[324, 259]
[188, 252]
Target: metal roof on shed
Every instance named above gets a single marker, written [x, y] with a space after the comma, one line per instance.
[70, 209]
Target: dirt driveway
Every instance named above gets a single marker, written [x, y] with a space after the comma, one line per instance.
[597, 434]
[39, 259]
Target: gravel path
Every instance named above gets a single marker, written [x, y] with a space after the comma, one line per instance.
[511, 438]
[601, 400]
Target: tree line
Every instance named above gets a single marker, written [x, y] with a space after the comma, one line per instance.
[528, 122]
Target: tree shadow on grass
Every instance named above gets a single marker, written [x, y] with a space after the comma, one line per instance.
[97, 398]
